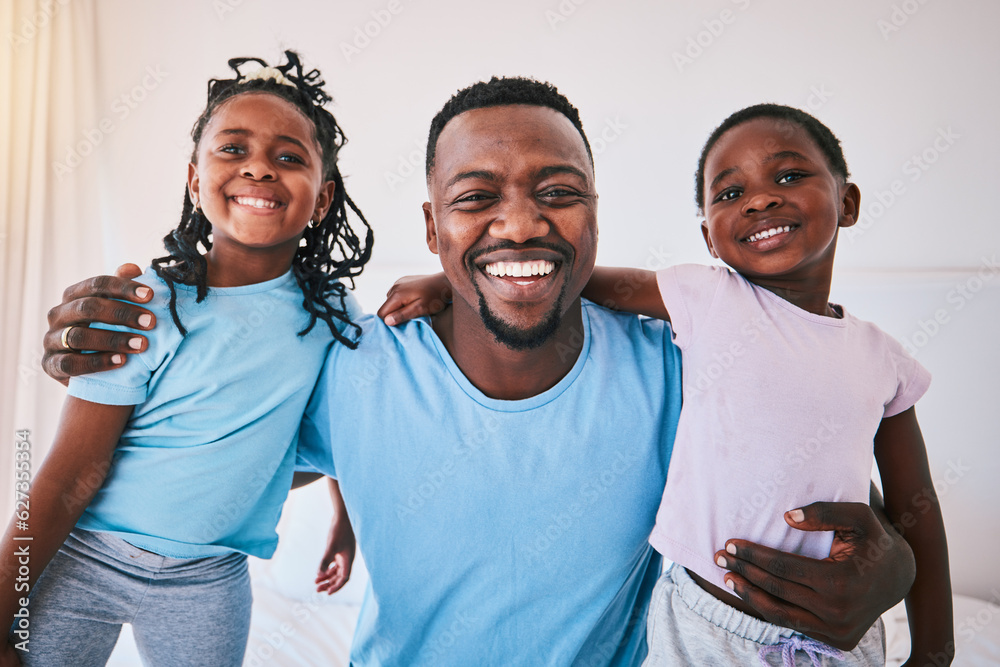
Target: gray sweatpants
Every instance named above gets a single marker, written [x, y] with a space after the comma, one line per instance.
[689, 626]
[184, 612]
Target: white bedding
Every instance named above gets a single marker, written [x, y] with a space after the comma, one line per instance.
[292, 626]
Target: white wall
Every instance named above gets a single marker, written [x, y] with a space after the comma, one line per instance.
[891, 84]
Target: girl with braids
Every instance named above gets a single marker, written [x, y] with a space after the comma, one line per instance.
[168, 471]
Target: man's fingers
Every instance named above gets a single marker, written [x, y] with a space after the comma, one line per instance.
[63, 366]
[128, 270]
[96, 340]
[110, 287]
[85, 310]
[759, 562]
[830, 516]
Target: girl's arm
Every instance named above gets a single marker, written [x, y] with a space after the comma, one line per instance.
[69, 478]
[912, 506]
[630, 290]
[335, 568]
[415, 296]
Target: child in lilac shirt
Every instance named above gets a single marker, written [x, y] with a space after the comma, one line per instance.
[786, 398]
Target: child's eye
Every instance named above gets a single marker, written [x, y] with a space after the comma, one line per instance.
[728, 194]
[790, 177]
[289, 157]
[231, 148]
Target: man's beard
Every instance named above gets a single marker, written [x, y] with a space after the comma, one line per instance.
[521, 339]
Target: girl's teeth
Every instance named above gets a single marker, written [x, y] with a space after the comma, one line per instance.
[519, 269]
[256, 202]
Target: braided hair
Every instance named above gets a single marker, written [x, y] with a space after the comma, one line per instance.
[330, 250]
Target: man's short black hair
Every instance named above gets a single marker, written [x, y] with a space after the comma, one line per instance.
[501, 91]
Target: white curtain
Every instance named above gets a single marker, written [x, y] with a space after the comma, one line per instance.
[50, 238]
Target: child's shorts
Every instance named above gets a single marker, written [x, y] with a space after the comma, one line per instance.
[689, 626]
[183, 611]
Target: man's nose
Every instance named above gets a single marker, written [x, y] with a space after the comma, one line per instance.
[519, 220]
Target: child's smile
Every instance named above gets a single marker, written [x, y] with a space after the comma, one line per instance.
[773, 206]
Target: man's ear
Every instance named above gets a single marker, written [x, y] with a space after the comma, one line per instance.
[324, 199]
[850, 205]
[194, 184]
[708, 240]
[432, 237]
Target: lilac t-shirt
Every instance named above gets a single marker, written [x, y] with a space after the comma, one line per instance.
[780, 410]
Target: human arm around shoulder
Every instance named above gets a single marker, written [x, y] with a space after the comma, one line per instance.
[335, 568]
[67, 481]
[415, 296]
[912, 505]
[101, 299]
[629, 290]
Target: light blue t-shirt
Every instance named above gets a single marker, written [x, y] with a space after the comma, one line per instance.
[206, 460]
[500, 532]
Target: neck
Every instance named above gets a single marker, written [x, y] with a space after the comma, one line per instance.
[500, 372]
[811, 295]
[246, 268]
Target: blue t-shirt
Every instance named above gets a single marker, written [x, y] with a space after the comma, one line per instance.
[206, 459]
[500, 532]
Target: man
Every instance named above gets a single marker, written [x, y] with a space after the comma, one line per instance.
[502, 461]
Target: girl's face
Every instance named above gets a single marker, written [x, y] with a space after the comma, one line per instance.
[258, 176]
[772, 205]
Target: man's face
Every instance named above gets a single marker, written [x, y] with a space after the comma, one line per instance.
[513, 217]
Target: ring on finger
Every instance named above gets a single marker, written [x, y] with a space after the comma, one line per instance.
[65, 339]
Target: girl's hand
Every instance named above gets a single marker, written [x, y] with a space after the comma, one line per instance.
[335, 568]
[415, 296]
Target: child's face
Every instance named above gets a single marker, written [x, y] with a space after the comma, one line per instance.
[259, 175]
[772, 205]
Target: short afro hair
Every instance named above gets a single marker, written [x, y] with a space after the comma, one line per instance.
[502, 91]
[828, 143]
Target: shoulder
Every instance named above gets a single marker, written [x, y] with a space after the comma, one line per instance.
[623, 331]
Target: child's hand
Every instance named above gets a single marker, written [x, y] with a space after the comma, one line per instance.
[335, 568]
[415, 296]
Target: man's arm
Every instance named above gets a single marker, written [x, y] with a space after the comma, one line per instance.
[100, 299]
[837, 599]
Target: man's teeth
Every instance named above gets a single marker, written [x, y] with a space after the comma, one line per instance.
[768, 233]
[519, 269]
[257, 203]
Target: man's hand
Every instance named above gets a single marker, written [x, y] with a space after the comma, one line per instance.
[837, 599]
[94, 300]
[8, 656]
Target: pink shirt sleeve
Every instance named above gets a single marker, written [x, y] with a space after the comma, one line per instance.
[688, 291]
[912, 379]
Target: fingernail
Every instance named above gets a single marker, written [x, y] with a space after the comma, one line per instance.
[731, 548]
[798, 516]
[116, 359]
[135, 343]
[390, 320]
[142, 292]
[145, 320]
[720, 561]
[730, 584]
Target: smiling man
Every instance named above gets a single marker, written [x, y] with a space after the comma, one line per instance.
[502, 462]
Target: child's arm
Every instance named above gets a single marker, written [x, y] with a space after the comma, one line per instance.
[415, 296]
[335, 568]
[67, 481]
[912, 506]
[629, 290]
